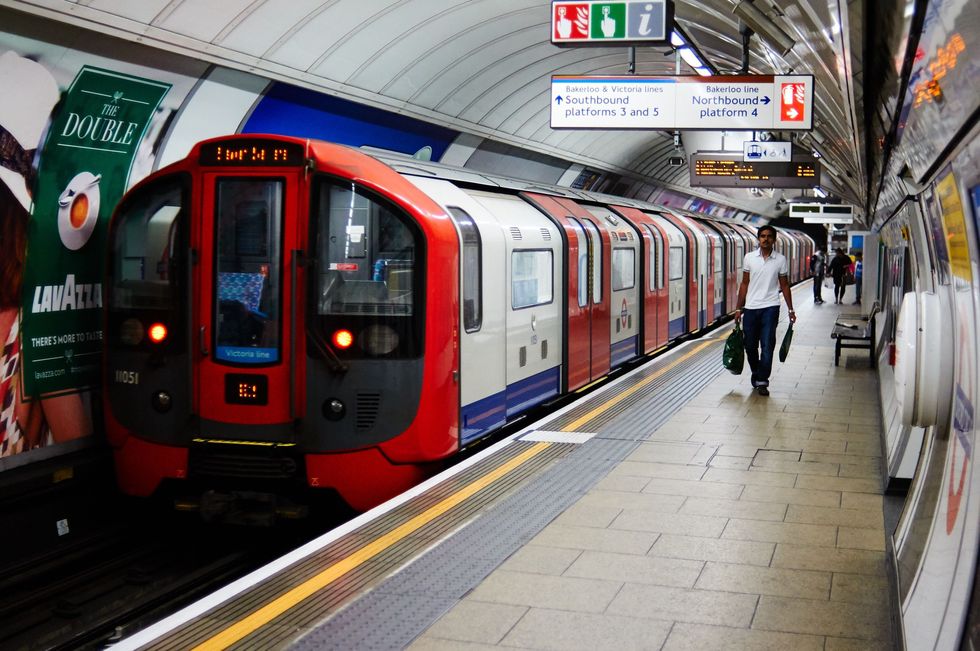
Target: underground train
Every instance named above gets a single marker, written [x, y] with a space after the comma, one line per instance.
[285, 315]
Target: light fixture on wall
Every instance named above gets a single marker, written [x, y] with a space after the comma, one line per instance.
[762, 25]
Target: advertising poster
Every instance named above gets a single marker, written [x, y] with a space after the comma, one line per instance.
[73, 137]
[84, 170]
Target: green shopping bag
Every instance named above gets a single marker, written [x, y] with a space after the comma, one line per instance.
[784, 347]
[734, 356]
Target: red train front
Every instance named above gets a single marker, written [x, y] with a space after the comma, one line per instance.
[274, 324]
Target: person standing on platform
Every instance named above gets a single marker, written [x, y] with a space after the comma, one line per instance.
[818, 268]
[838, 269]
[858, 274]
[765, 273]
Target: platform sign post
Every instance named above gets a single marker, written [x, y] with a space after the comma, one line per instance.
[629, 22]
[688, 102]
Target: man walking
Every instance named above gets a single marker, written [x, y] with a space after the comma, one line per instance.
[818, 268]
[765, 273]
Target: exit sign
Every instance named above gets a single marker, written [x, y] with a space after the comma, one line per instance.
[642, 22]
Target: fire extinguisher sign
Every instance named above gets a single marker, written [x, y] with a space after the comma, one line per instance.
[795, 97]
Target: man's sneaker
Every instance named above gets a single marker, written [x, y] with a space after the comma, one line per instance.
[763, 391]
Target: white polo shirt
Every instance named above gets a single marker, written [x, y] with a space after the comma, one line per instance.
[764, 278]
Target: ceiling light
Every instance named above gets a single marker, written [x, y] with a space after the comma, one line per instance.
[762, 25]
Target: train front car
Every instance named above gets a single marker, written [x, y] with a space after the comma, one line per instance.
[274, 325]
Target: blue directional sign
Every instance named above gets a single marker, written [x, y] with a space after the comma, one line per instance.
[731, 103]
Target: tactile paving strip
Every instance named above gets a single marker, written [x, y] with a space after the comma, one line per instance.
[407, 603]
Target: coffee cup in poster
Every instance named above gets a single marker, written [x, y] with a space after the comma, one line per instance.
[78, 210]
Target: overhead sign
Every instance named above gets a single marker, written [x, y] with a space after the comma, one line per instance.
[822, 213]
[611, 23]
[729, 103]
[772, 151]
[722, 170]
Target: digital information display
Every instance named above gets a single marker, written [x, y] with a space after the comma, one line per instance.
[246, 389]
[252, 152]
[714, 171]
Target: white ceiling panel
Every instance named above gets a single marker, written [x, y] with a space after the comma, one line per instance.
[484, 66]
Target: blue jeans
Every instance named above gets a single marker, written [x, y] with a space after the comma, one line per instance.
[759, 327]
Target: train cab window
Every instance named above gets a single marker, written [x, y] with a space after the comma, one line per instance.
[582, 268]
[623, 268]
[368, 272]
[472, 264]
[531, 278]
[676, 262]
[146, 248]
[248, 223]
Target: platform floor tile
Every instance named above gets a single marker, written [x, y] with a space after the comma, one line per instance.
[740, 522]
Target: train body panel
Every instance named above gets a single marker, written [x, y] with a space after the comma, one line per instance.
[340, 321]
[533, 262]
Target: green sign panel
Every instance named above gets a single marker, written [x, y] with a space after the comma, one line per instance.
[84, 170]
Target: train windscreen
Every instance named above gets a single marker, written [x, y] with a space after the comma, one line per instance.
[367, 257]
[145, 249]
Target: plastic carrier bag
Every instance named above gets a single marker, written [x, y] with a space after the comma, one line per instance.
[734, 356]
[784, 347]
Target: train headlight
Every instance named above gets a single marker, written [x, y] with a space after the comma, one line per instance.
[343, 339]
[379, 340]
[158, 333]
[131, 332]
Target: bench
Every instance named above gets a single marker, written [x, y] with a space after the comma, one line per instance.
[855, 331]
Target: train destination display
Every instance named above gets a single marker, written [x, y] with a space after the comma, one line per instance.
[727, 171]
[748, 102]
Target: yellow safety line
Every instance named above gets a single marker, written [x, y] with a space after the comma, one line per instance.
[281, 604]
[582, 420]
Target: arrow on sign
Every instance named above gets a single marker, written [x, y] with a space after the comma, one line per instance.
[792, 113]
[558, 100]
[765, 100]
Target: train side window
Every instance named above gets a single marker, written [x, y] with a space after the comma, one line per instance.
[531, 278]
[472, 266]
[595, 269]
[656, 258]
[582, 268]
[623, 268]
[676, 262]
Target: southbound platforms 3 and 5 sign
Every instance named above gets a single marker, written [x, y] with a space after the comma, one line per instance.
[753, 102]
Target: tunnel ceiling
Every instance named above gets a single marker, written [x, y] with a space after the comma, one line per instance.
[484, 66]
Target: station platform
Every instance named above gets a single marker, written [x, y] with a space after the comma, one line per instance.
[672, 509]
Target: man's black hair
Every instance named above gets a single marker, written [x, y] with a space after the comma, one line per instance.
[767, 227]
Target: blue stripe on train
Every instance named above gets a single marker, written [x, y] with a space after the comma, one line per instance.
[622, 351]
[676, 327]
[483, 416]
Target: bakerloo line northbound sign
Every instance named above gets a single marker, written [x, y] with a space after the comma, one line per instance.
[747, 102]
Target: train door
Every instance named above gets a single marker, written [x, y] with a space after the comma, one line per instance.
[651, 284]
[677, 272]
[726, 281]
[599, 269]
[482, 334]
[246, 308]
[532, 265]
[578, 336]
[624, 291]
[696, 249]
